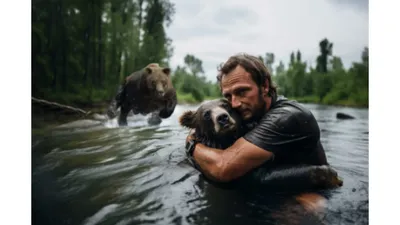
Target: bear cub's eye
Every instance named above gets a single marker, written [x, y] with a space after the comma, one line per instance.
[207, 115]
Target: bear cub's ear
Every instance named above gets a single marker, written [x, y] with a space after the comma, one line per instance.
[188, 119]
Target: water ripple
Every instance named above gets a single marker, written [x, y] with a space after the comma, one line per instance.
[101, 174]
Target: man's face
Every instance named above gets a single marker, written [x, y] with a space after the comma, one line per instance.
[243, 93]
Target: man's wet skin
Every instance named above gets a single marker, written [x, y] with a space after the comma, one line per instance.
[243, 93]
[251, 103]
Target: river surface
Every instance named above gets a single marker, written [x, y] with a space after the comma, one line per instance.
[90, 172]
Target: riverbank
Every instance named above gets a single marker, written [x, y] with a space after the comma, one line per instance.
[188, 99]
[346, 103]
[43, 115]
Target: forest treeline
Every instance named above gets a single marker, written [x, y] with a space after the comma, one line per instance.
[81, 51]
[326, 83]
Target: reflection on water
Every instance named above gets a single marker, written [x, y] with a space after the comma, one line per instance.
[91, 173]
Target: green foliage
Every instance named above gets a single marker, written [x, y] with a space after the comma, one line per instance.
[81, 50]
[325, 51]
[268, 60]
[194, 64]
[190, 81]
[328, 83]
[186, 98]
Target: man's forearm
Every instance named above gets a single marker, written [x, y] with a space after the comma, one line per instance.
[231, 163]
[209, 161]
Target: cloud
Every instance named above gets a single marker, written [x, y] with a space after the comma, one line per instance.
[215, 30]
[234, 15]
[359, 5]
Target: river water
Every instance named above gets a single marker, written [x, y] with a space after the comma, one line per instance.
[90, 172]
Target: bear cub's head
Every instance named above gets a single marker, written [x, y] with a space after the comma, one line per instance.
[213, 120]
[157, 79]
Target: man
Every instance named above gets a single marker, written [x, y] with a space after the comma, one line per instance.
[284, 131]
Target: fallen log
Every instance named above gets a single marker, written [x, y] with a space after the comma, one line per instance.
[61, 106]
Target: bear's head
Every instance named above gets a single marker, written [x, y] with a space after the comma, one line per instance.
[157, 79]
[214, 122]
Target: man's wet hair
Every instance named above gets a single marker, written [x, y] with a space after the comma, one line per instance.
[253, 65]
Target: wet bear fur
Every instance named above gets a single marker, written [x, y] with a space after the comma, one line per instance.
[217, 125]
[148, 90]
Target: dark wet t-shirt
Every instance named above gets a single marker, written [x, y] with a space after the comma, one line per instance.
[291, 132]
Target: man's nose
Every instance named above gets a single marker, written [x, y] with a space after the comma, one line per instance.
[235, 102]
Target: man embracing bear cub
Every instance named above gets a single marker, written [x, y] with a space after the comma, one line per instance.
[149, 90]
[217, 125]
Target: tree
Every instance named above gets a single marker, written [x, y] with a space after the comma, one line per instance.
[82, 49]
[155, 43]
[292, 59]
[298, 56]
[335, 64]
[365, 56]
[269, 61]
[325, 48]
[194, 64]
[280, 69]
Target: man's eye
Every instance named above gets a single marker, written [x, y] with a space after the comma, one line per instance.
[241, 93]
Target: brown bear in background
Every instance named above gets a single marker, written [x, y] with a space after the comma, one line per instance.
[148, 90]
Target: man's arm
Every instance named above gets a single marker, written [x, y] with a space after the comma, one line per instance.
[231, 163]
[285, 131]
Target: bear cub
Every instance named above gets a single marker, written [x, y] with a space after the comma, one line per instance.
[217, 125]
[148, 90]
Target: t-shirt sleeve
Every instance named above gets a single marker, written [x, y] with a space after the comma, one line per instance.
[285, 129]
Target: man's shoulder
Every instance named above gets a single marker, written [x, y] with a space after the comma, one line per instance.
[286, 125]
[284, 106]
[286, 113]
[283, 102]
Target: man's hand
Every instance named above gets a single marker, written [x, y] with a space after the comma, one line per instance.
[312, 202]
[231, 163]
[188, 149]
[190, 136]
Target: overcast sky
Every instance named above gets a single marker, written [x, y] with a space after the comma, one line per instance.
[213, 30]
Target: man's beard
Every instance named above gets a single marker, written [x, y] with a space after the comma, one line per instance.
[257, 113]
